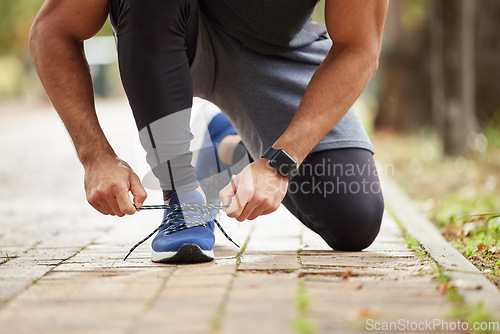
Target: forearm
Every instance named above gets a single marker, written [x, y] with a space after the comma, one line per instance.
[65, 75]
[336, 85]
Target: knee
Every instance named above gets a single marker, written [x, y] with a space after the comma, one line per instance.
[353, 226]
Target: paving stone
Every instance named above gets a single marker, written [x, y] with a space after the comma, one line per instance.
[269, 261]
[262, 301]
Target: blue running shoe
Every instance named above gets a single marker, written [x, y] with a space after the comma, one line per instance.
[187, 235]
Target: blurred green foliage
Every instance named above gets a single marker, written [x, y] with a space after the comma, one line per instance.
[16, 17]
[413, 14]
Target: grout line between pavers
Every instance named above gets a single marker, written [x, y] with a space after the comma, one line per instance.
[148, 304]
[221, 310]
[471, 284]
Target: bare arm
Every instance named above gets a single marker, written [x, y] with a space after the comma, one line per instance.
[355, 27]
[56, 43]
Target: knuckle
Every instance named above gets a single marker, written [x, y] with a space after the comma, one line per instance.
[259, 198]
[268, 203]
[245, 193]
[100, 193]
[116, 187]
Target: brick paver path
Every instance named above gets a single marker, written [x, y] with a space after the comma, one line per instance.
[62, 265]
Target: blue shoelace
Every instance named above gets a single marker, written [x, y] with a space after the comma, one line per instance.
[198, 217]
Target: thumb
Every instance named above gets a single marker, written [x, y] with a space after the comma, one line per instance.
[227, 193]
[137, 191]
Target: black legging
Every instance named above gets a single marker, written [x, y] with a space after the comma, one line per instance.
[337, 195]
[156, 44]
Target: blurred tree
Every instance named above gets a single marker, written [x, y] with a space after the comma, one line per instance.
[405, 102]
[453, 73]
[440, 67]
[487, 62]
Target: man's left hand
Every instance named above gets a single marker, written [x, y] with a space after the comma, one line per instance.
[257, 190]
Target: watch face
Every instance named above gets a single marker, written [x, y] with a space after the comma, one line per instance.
[284, 164]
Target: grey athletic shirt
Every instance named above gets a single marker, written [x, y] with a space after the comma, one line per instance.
[267, 26]
[258, 76]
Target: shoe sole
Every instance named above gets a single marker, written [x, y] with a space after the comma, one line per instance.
[188, 253]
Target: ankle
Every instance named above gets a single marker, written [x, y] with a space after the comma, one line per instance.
[167, 201]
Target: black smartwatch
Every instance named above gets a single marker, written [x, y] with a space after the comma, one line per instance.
[281, 162]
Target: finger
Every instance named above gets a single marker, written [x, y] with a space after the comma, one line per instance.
[242, 197]
[124, 203]
[113, 204]
[227, 193]
[99, 208]
[271, 210]
[249, 210]
[137, 191]
[104, 205]
[256, 213]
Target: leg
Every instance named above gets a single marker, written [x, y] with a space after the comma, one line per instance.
[337, 194]
[156, 42]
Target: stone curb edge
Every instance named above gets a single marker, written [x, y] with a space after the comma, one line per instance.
[471, 284]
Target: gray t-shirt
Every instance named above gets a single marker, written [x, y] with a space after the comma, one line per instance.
[268, 26]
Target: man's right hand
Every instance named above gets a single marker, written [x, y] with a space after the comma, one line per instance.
[107, 184]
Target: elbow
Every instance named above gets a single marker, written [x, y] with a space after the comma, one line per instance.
[373, 56]
[374, 65]
[35, 37]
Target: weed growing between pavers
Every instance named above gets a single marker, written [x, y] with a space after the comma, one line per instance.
[412, 243]
[302, 324]
[242, 250]
[7, 258]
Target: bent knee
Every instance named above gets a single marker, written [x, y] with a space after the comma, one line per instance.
[353, 227]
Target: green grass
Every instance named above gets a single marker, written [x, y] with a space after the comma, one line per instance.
[302, 324]
[242, 250]
[459, 194]
[414, 245]
[7, 258]
[299, 257]
[474, 314]
[217, 321]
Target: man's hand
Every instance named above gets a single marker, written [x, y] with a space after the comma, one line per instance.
[107, 183]
[257, 190]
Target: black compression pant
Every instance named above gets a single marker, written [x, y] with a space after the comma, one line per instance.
[337, 195]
